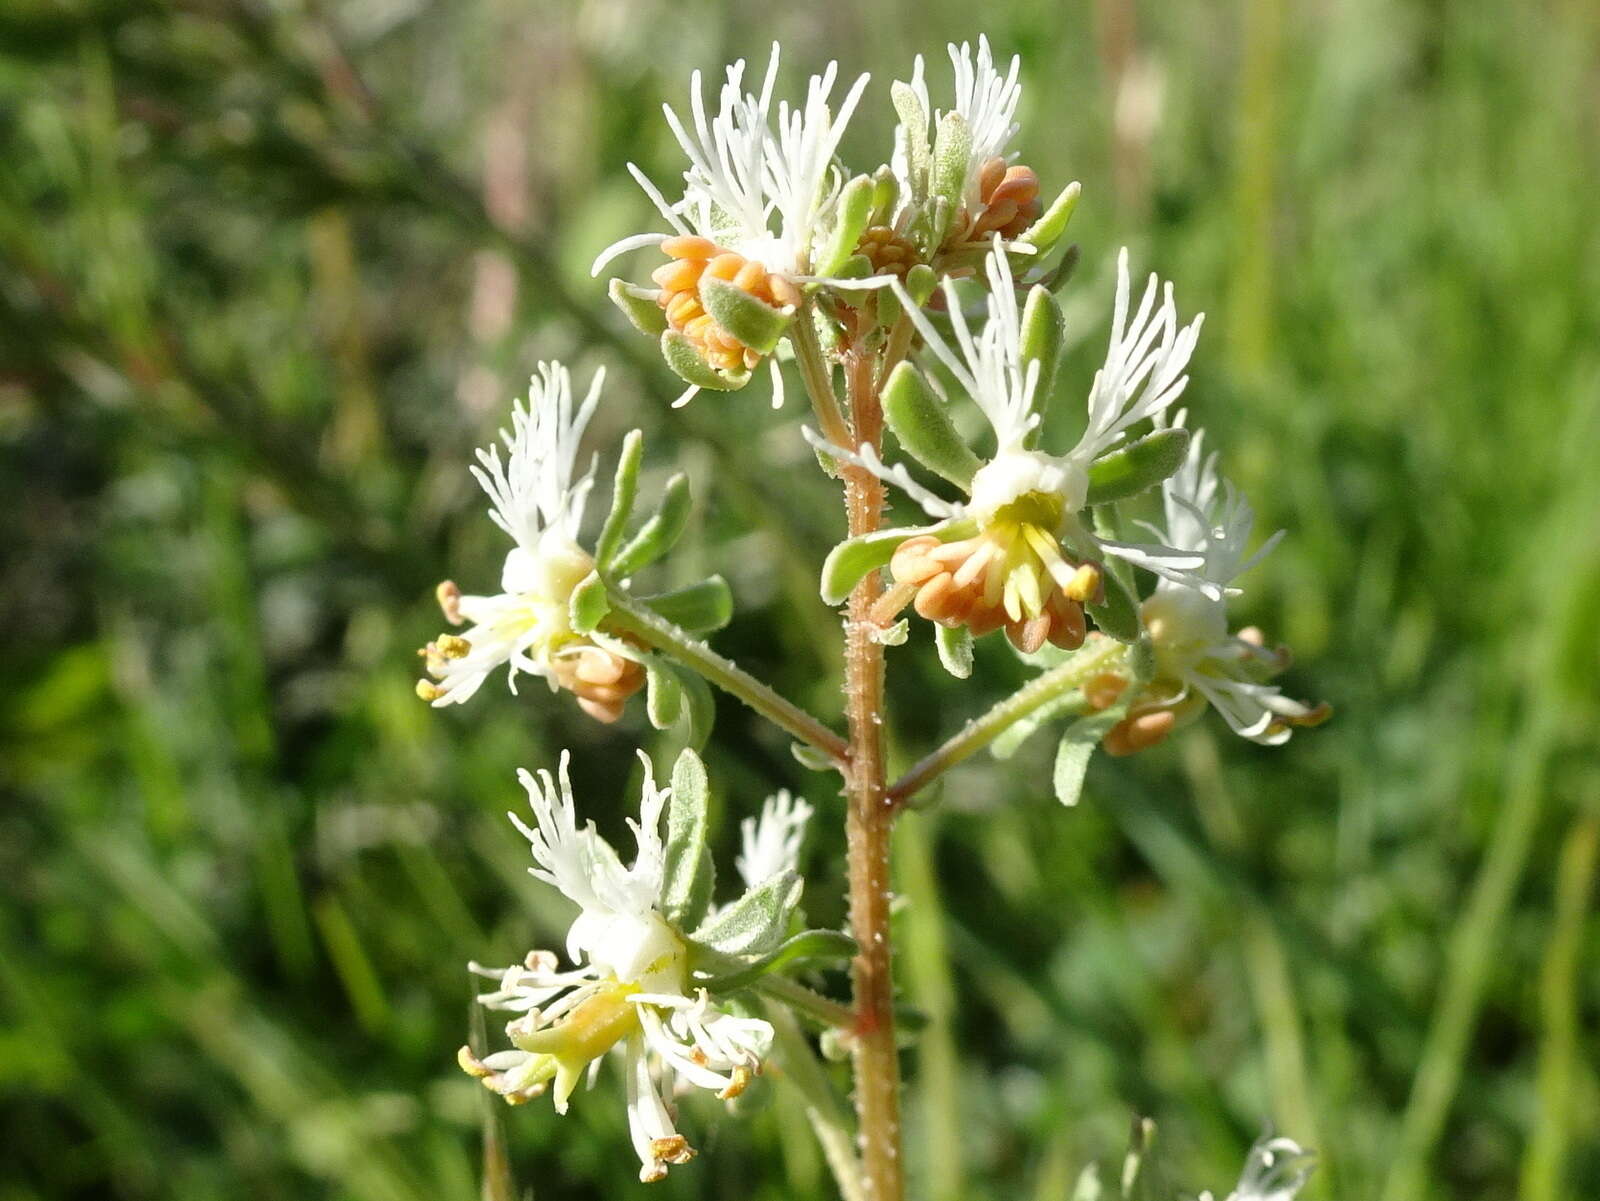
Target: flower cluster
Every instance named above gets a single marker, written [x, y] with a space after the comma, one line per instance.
[633, 987]
[1197, 661]
[931, 279]
[535, 497]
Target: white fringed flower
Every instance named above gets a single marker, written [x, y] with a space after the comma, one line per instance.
[1275, 1170]
[537, 498]
[771, 843]
[630, 988]
[1197, 660]
[1033, 560]
[740, 172]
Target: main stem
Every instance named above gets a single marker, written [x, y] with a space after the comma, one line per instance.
[869, 816]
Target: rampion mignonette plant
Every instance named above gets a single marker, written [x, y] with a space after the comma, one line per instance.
[900, 295]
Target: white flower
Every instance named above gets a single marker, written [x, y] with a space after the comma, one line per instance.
[1033, 560]
[537, 498]
[1275, 1170]
[740, 172]
[631, 986]
[1195, 653]
[986, 100]
[771, 843]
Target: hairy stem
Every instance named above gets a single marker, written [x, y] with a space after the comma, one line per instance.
[656, 632]
[869, 817]
[1097, 656]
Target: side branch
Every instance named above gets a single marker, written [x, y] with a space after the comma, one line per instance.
[659, 634]
[1095, 658]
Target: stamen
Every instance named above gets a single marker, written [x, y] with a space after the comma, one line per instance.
[449, 597]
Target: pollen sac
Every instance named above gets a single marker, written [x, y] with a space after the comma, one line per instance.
[992, 581]
[1010, 201]
[729, 326]
[601, 680]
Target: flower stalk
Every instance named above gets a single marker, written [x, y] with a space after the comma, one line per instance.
[626, 617]
[1100, 656]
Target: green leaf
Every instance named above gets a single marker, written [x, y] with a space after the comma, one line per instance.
[809, 946]
[955, 650]
[810, 757]
[853, 558]
[624, 488]
[697, 608]
[757, 921]
[914, 129]
[885, 191]
[922, 423]
[1118, 615]
[639, 306]
[1013, 736]
[688, 874]
[853, 210]
[889, 307]
[589, 604]
[1044, 330]
[663, 693]
[658, 535]
[749, 318]
[1077, 748]
[952, 149]
[685, 360]
[699, 709]
[1052, 223]
[921, 280]
[1131, 469]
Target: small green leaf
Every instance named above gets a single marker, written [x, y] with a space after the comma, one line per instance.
[757, 921]
[889, 307]
[952, 150]
[688, 874]
[1013, 736]
[752, 320]
[589, 604]
[854, 266]
[1052, 223]
[810, 757]
[639, 306]
[893, 635]
[1077, 748]
[852, 212]
[1131, 469]
[914, 129]
[955, 650]
[699, 709]
[885, 192]
[809, 946]
[922, 423]
[921, 280]
[697, 608]
[852, 559]
[1057, 278]
[1044, 330]
[663, 693]
[1118, 616]
[658, 535]
[685, 360]
[624, 488]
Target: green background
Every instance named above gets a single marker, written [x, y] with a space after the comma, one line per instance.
[269, 272]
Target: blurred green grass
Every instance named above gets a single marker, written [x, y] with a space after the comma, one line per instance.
[268, 273]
